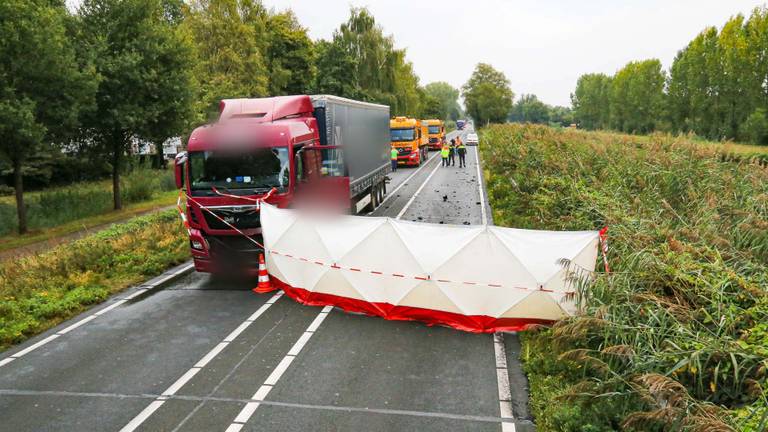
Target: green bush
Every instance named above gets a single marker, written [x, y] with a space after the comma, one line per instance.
[673, 338]
[40, 291]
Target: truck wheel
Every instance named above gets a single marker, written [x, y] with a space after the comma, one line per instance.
[382, 192]
[374, 197]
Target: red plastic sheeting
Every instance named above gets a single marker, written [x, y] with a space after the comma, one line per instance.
[468, 323]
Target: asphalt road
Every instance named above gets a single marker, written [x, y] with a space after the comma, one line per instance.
[189, 352]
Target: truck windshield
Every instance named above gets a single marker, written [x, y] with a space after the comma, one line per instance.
[239, 173]
[434, 129]
[402, 134]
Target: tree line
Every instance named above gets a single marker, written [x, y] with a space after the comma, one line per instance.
[717, 87]
[92, 81]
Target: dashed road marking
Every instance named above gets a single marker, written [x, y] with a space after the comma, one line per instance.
[413, 198]
[502, 379]
[480, 185]
[179, 383]
[89, 318]
[392, 193]
[250, 408]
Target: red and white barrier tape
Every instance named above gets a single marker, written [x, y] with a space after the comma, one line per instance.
[335, 266]
[202, 207]
[604, 247]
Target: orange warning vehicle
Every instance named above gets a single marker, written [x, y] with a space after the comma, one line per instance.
[410, 137]
[436, 130]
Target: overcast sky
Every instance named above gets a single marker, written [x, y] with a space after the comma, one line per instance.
[542, 46]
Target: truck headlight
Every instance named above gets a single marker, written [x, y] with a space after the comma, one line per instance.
[197, 245]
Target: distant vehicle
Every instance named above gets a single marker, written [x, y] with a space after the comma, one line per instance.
[295, 150]
[436, 133]
[472, 139]
[460, 124]
[411, 139]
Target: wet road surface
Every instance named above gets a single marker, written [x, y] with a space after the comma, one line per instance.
[191, 352]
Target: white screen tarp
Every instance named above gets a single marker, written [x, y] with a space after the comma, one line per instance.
[475, 278]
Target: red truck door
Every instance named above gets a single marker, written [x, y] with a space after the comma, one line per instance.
[321, 178]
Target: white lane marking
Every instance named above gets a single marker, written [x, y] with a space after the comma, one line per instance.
[502, 380]
[179, 383]
[234, 427]
[143, 415]
[6, 360]
[413, 198]
[250, 408]
[136, 294]
[77, 324]
[392, 193]
[37, 345]
[110, 307]
[480, 185]
[210, 355]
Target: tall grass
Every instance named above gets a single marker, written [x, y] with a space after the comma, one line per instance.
[57, 206]
[676, 337]
[38, 292]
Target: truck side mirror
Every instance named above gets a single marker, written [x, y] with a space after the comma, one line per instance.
[178, 169]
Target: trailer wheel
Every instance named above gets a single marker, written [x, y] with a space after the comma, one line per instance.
[382, 192]
[374, 197]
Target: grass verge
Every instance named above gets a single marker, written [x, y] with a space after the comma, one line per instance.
[161, 199]
[676, 337]
[40, 291]
[52, 208]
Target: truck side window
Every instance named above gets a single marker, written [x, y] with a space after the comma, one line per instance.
[298, 157]
[332, 162]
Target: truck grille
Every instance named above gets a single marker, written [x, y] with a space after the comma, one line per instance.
[235, 252]
[242, 218]
[402, 151]
[433, 140]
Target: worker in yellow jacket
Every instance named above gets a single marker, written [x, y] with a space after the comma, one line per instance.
[393, 157]
[444, 152]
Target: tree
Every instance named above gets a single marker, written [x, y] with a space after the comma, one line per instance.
[529, 109]
[42, 86]
[230, 41]
[755, 127]
[145, 64]
[592, 101]
[433, 107]
[337, 69]
[361, 62]
[637, 92]
[290, 55]
[561, 115]
[487, 95]
[447, 97]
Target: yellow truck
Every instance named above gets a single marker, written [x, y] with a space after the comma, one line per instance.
[436, 133]
[411, 139]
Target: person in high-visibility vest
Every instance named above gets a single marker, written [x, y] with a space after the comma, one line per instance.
[452, 154]
[444, 152]
[393, 157]
[462, 150]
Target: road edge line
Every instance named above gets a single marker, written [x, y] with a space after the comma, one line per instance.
[111, 303]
